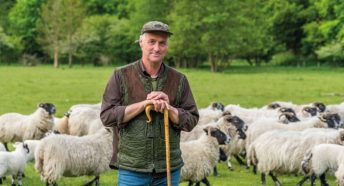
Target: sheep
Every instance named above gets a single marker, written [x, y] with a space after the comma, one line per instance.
[259, 127]
[321, 158]
[201, 155]
[336, 108]
[65, 155]
[81, 121]
[210, 114]
[32, 146]
[286, 149]
[92, 106]
[252, 114]
[16, 127]
[236, 130]
[13, 163]
[276, 104]
[197, 131]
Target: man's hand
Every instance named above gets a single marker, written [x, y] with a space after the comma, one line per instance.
[158, 95]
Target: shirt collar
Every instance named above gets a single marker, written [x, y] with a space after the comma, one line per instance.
[160, 73]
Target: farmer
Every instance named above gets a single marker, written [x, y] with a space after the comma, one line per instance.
[139, 148]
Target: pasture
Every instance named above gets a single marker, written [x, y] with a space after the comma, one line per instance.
[22, 88]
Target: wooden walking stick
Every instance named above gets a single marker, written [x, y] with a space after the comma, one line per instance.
[167, 139]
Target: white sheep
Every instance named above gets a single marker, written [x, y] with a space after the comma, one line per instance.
[32, 146]
[201, 156]
[210, 114]
[81, 121]
[197, 131]
[249, 115]
[336, 108]
[13, 163]
[259, 127]
[321, 158]
[70, 156]
[16, 127]
[280, 151]
[95, 106]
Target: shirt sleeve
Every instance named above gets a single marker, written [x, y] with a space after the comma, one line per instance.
[112, 112]
[188, 113]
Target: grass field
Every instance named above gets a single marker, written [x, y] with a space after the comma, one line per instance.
[22, 88]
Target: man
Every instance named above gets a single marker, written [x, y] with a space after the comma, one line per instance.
[141, 147]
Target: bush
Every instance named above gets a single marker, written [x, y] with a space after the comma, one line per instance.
[284, 59]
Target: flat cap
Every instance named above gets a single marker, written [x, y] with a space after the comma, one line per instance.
[155, 26]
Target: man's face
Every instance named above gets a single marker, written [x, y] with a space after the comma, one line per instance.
[154, 47]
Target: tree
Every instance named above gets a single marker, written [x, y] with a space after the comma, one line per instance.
[103, 39]
[9, 47]
[74, 13]
[256, 41]
[185, 46]
[52, 27]
[221, 30]
[23, 18]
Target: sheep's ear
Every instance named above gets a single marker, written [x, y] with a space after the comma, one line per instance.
[40, 104]
[26, 147]
[208, 130]
[108, 129]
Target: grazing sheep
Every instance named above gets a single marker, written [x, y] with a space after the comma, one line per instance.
[17, 127]
[321, 158]
[280, 151]
[13, 163]
[200, 156]
[70, 156]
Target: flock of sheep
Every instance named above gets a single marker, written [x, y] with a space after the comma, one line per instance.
[299, 139]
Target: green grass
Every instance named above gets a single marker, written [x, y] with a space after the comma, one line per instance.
[22, 88]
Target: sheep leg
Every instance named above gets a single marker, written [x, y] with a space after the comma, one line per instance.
[305, 178]
[190, 183]
[198, 184]
[5, 144]
[323, 180]
[254, 169]
[313, 178]
[239, 160]
[215, 171]
[205, 181]
[1, 180]
[90, 183]
[229, 164]
[13, 181]
[20, 176]
[97, 181]
[263, 179]
[274, 178]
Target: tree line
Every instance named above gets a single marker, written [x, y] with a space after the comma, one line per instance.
[103, 32]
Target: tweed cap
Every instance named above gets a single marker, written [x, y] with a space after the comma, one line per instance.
[155, 26]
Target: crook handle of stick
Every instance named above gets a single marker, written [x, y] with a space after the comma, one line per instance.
[167, 139]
